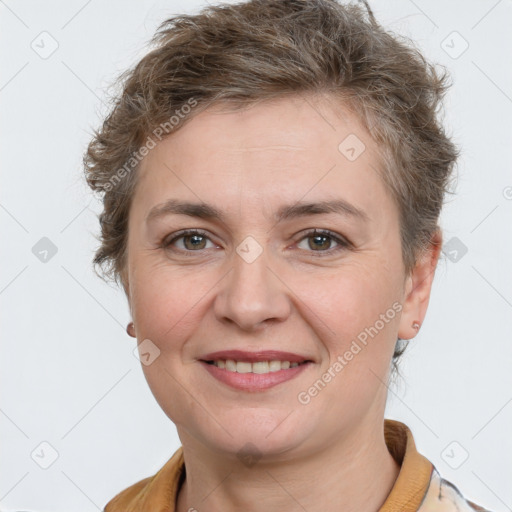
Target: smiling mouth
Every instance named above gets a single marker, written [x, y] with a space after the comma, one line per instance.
[258, 367]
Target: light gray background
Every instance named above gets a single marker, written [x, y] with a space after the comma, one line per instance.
[69, 376]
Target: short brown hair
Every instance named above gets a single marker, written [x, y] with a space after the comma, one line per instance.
[265, 49]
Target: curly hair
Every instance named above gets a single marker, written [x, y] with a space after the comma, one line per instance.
[264, 49]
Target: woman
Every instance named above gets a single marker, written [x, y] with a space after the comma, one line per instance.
[272, 177]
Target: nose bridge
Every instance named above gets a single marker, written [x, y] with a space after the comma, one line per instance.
[251, 293]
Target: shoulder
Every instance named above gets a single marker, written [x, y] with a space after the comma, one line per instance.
[153, 493]
[127, 499]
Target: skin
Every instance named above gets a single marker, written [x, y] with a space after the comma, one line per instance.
[329, 454]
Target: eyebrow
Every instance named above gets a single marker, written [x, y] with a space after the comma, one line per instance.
[209, 212]
[301, 209]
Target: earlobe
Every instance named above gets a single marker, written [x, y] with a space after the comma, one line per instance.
[418, 289]
[130, 330]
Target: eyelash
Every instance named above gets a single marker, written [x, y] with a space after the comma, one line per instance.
[343, 244]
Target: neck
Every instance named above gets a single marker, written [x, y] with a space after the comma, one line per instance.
[356, 473]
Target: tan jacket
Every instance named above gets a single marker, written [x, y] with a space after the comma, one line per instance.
[418, 488]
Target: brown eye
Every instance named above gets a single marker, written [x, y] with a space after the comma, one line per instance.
[320, 241]
[192, 241]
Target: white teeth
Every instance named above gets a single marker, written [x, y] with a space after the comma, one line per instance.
[274, 366]
[242, 367]
[256, 367]
[260, 367]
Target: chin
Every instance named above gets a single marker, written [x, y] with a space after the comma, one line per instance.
[257, 433]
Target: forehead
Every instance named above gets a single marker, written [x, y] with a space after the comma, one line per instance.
[291, 148]
[297, 123]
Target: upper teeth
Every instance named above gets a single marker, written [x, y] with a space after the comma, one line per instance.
[257, 367]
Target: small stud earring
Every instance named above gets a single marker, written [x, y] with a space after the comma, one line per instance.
[130, 329]
[416, 325]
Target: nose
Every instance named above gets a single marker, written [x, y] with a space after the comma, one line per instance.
[252, 294]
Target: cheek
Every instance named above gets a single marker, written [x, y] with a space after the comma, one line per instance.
[358, 312]
[352, 299]
[165, 310]
[165, 304]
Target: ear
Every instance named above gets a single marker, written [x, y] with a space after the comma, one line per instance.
[418, 287]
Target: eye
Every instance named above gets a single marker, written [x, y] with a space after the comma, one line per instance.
[193, 240]
[321, 239]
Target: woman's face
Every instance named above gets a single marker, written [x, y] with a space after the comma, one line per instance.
[258, 279]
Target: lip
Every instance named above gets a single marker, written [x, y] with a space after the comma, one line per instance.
[252, 357]
[254, 382]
